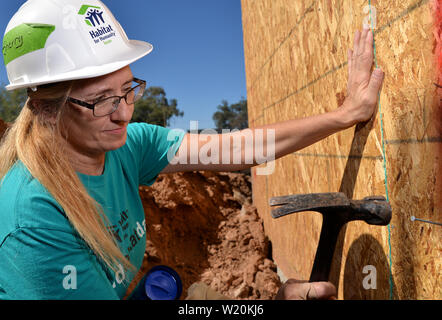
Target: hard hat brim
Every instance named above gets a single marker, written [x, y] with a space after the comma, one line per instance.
[138, 49]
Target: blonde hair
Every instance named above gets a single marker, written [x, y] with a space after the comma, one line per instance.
[35, 141]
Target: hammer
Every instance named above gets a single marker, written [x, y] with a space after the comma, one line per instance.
[336, 210]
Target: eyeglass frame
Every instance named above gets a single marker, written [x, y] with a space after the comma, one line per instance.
[92, 105]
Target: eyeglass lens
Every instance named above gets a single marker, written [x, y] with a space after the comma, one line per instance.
[108, 106]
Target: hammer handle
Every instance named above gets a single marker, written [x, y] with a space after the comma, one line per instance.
[326, 247]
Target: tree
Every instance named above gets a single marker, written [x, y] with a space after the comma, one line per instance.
[154, 108]
[232, 116]
[11, 103]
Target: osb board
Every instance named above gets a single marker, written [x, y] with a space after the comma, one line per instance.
[295, 54]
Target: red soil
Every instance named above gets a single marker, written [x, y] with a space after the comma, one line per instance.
[203, 225]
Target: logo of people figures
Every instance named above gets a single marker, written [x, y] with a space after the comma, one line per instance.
[93, 17]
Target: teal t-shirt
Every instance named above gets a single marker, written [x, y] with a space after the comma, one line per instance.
[41, 254]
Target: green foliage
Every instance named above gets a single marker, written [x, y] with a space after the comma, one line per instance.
[232, 116]
[154, 108]
[11, 103]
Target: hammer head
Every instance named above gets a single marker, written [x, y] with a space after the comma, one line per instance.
[374, 210]
[337, 210]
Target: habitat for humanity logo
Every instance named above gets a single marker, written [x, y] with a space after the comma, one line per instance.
[94, 18]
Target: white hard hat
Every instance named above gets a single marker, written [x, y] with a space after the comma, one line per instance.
[50, 41]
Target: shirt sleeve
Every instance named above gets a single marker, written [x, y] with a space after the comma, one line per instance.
[155, 147]
[44, 264]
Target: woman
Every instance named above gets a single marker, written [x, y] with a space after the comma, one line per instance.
[72, 221]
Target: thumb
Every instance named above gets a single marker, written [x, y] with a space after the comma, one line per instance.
[377, 77]
[321, 290]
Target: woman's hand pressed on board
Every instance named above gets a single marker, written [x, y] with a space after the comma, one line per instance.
[363, 84]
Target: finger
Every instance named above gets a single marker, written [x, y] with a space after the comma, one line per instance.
[349, 57]
[369, 44]
[366, 32]
[356, 41]
[357, 51]
[294, 289]
[365, 60]
[362, 41]
[350, 68]
[376, 80]
[295, 281]
[321, 290]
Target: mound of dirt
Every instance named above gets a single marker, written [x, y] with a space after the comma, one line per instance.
[204, 226]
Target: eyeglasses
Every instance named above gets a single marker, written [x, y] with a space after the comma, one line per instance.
[109, 105]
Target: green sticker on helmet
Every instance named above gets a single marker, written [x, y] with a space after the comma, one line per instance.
[85, 7]
[25, 38]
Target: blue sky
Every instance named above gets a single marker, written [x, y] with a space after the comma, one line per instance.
[198, 55]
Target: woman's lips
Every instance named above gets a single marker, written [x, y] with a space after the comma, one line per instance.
[116, 131]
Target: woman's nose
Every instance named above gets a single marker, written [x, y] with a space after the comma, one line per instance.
[124, 112]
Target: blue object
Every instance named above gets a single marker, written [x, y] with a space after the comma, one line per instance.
[163, 283]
